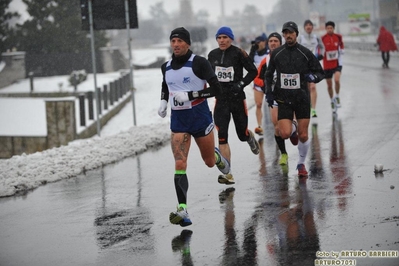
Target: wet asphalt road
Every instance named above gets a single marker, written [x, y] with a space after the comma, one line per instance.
[118, 215]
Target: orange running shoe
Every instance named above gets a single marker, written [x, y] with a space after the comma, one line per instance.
[259, 131]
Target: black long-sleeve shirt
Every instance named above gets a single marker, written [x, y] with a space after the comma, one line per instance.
[239, 60]
[295, 59]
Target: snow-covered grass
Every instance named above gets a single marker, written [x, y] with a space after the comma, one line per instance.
[119, 138]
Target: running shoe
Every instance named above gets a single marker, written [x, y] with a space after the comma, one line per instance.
[302, 170]
[283, 159]
[333, 106]
[226, 179]
[253, 143]
[259, 131]
[182, 242]
[221, 162]
[337, 102]
[313, 112]
[294, 136]
[180, 217]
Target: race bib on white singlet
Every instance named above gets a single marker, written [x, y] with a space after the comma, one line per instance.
[224, 74]
[332, 55]
[290, 81]
[175, 105]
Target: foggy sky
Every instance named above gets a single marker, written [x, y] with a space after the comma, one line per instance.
[212, 6]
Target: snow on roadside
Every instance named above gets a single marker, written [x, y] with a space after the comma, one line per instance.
[20, 174]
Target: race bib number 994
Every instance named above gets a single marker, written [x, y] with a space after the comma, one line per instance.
[224, 74]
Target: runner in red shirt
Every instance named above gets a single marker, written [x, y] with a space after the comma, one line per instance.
[332, 62]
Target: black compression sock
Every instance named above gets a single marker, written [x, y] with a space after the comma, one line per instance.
[280, 143]
[181, 186]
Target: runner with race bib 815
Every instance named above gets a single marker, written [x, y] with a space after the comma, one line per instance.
[295, 66]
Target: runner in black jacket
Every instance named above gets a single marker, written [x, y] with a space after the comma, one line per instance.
[296, 66]
[229, 62]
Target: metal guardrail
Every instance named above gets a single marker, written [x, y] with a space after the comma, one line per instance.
[108, 95]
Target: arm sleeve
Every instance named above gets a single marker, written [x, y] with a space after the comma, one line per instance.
[203, 69]
[316, 68]
[320, 44]
[269, 73]
[252, 52]
[164, 89]
[249, 67]
[259, 79]
[341, 43]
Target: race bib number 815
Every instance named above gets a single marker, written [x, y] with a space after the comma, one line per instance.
[290, 81]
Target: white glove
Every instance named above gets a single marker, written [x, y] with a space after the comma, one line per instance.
[163, 108]
[181, 96]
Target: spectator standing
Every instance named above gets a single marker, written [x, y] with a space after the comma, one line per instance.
[386, 44]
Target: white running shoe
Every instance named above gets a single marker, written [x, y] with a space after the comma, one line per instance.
[333, 106]
[337, 102]
[221, 162]
[253, 143]
[180, 217]
[226, 179]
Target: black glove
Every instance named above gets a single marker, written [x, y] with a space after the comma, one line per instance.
[310, 77]
[320, 57]
[269, 98]
[254, 46]
[237, 87]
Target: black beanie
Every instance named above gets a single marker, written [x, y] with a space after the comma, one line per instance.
[308, 21]
[330, 23]
[275, 34]
[181, 33]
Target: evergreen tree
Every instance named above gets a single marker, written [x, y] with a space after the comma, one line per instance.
[252, 20]
[54, 27]
[53, 39]
[5, 29]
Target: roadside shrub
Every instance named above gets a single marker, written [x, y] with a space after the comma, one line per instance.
[77, 76]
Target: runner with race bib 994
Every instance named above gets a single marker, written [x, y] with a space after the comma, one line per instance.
[229, 62]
